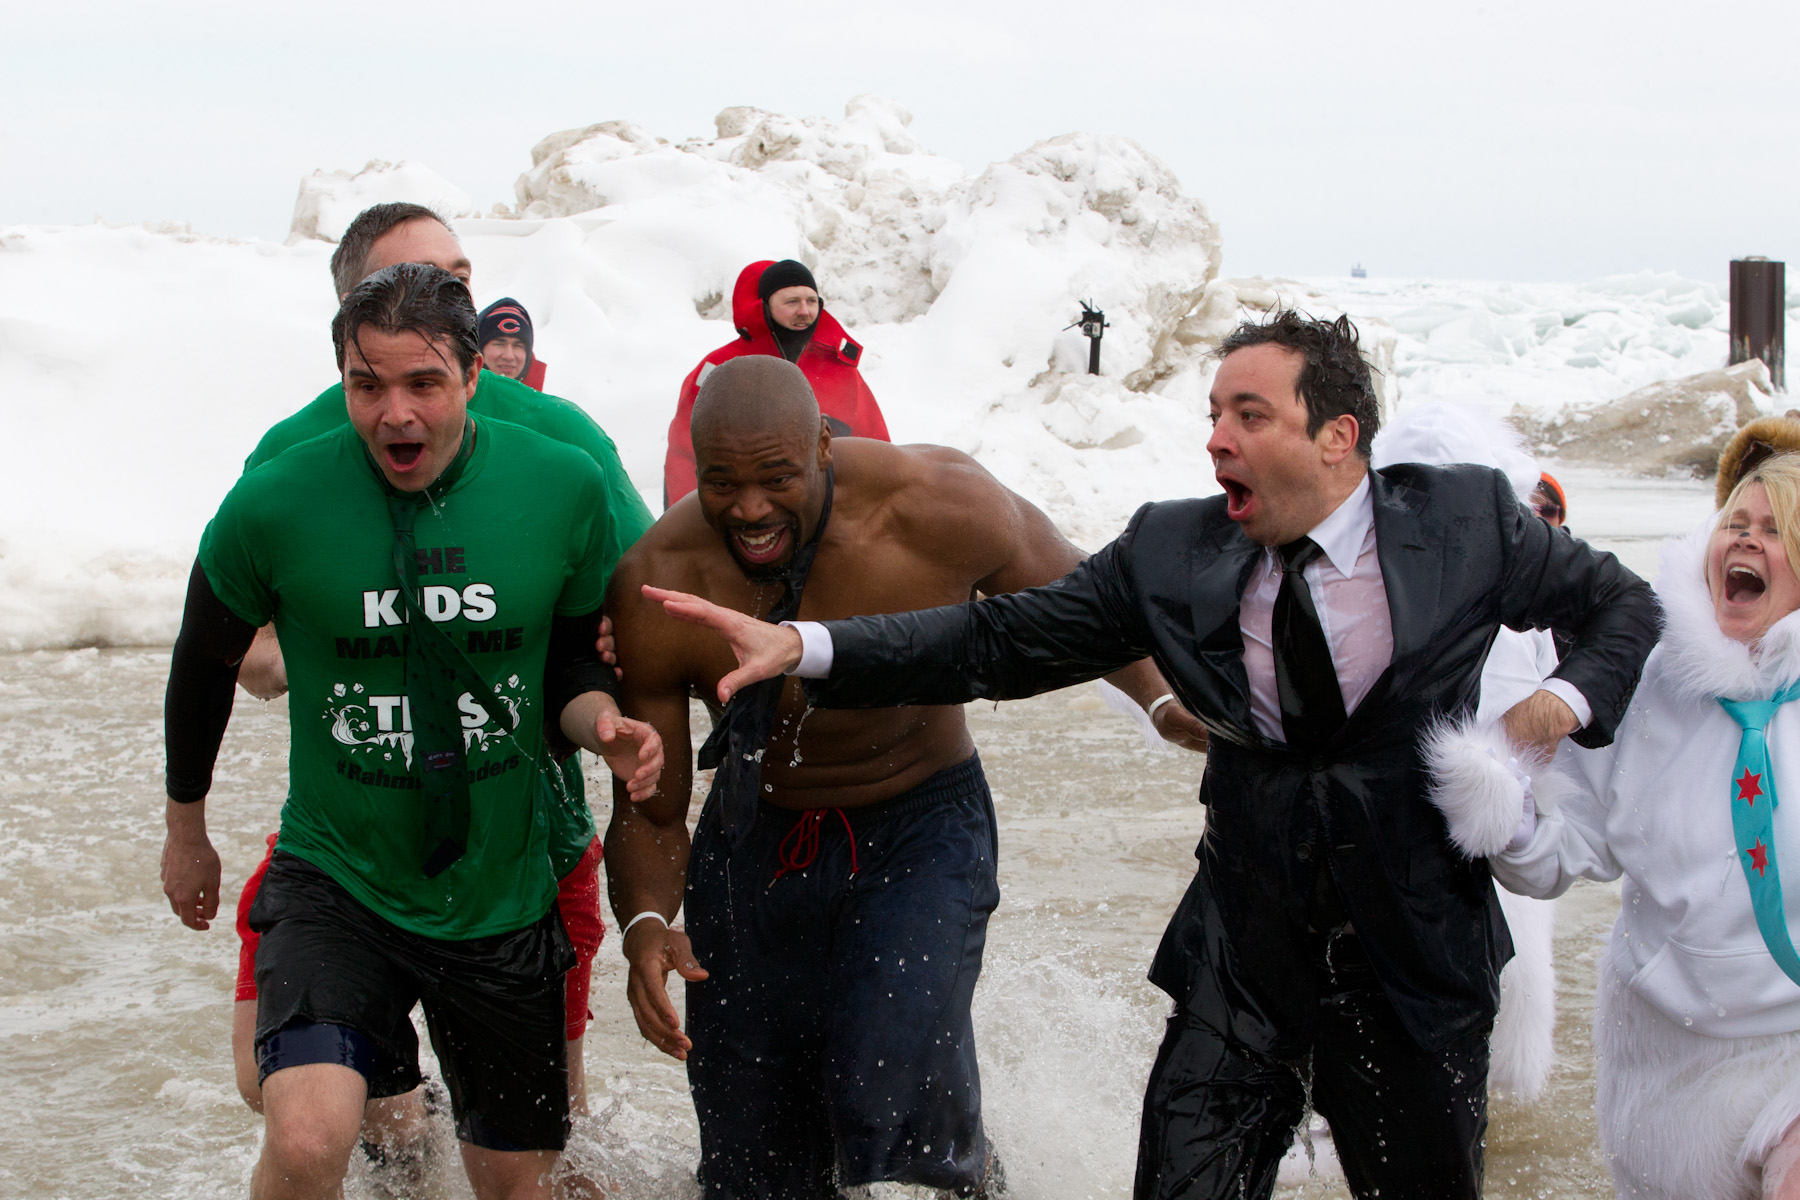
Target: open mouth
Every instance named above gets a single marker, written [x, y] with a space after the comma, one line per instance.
[1743, 585]
[763, 544]
[402, 456]
[1237, 498]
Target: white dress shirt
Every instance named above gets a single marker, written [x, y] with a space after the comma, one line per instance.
[1348, 594]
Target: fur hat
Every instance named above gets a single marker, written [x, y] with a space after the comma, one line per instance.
[1753, 443]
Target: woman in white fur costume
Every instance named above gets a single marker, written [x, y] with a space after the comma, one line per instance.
[1697, 1025]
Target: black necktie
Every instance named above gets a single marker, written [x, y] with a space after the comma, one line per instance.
[1312, 706]
[736, 743]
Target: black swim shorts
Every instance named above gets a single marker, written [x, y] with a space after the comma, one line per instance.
[494, 1006]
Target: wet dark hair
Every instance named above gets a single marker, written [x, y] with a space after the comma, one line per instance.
[349, 262]
[409, 298]
[1335, 379]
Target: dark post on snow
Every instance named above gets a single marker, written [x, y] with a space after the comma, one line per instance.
[1758, 312]
[1093, 327]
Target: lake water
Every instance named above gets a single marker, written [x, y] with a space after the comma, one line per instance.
[115, 1020]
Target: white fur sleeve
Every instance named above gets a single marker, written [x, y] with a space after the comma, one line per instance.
[1570, 840]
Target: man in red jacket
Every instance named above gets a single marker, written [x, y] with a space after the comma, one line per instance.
[776, 309]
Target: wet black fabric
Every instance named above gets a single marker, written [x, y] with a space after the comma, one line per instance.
[833, 1045]
[203, 673]
[1459, 557]
[493, 1005]
[735, 745]
[1220, 1111]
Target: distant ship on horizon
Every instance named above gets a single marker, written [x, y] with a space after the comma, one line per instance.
[1357, 272]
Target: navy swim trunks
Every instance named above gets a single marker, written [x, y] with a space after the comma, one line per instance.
[832, 1040]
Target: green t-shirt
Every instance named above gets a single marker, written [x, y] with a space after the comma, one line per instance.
[306, 540]
[509, 400]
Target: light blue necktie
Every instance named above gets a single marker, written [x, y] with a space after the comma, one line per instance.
[1753, 822]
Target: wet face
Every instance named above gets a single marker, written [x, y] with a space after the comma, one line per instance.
[1747, 570]
[506, 356]
[420, 240]
[407, 399]
[794, 307]
[1279, 481]
[763, 491]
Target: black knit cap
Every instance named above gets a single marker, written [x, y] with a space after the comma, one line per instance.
[786, 273]
[505, 317]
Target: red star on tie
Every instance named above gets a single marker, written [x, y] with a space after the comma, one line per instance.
[1759, 856]
[1749, 787]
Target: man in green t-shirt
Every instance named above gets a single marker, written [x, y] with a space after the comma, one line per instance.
[379, 237]
[431, 640]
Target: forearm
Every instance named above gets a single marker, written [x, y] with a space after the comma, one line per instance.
[202, 682]
[646, 857]
[186, 823]
[1142, 682]
[1001, 648]
[574, 672]
[580, 716]
[1557, 582]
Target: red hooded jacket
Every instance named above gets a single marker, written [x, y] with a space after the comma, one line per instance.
[829, 363]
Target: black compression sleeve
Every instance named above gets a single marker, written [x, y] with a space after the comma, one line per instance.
[202, 680]
[572, 667]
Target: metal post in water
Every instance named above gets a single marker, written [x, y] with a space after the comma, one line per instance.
[1758, 314]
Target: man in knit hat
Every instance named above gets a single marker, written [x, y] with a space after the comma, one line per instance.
[777, 311]
[506, 343]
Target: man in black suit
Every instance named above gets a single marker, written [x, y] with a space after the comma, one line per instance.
[1319, 618]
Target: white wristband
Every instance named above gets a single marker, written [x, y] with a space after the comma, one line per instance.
[1157, 703]
[626, 932]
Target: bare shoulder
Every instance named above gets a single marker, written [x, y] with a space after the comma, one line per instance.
[672, 554]
[938, 500]
[929, 482]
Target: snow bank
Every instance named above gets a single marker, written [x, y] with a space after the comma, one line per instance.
[1679, 425]
[329, 200]
[139, 366]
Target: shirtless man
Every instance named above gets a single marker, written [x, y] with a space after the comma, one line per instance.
[839, 883]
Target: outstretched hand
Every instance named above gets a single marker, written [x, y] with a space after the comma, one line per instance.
[764, 650]
[653, 951]
[632, 749]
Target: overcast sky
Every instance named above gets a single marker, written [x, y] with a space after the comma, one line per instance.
[1512, 139]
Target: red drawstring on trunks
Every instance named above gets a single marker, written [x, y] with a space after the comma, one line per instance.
[801, 845]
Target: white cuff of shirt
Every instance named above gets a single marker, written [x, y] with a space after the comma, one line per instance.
[1570, 695]
[815, 650]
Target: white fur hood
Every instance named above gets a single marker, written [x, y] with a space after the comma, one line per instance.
[1697, 661]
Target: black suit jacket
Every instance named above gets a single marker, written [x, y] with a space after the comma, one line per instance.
[1459, 558]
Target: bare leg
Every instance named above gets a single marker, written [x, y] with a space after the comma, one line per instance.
[578, 1105]
[243, 1053]
[509, 1175]
[1781, 1170]
[395, 1133]
[313, 1114]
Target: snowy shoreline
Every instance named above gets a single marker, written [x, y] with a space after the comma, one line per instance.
[138, 366]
